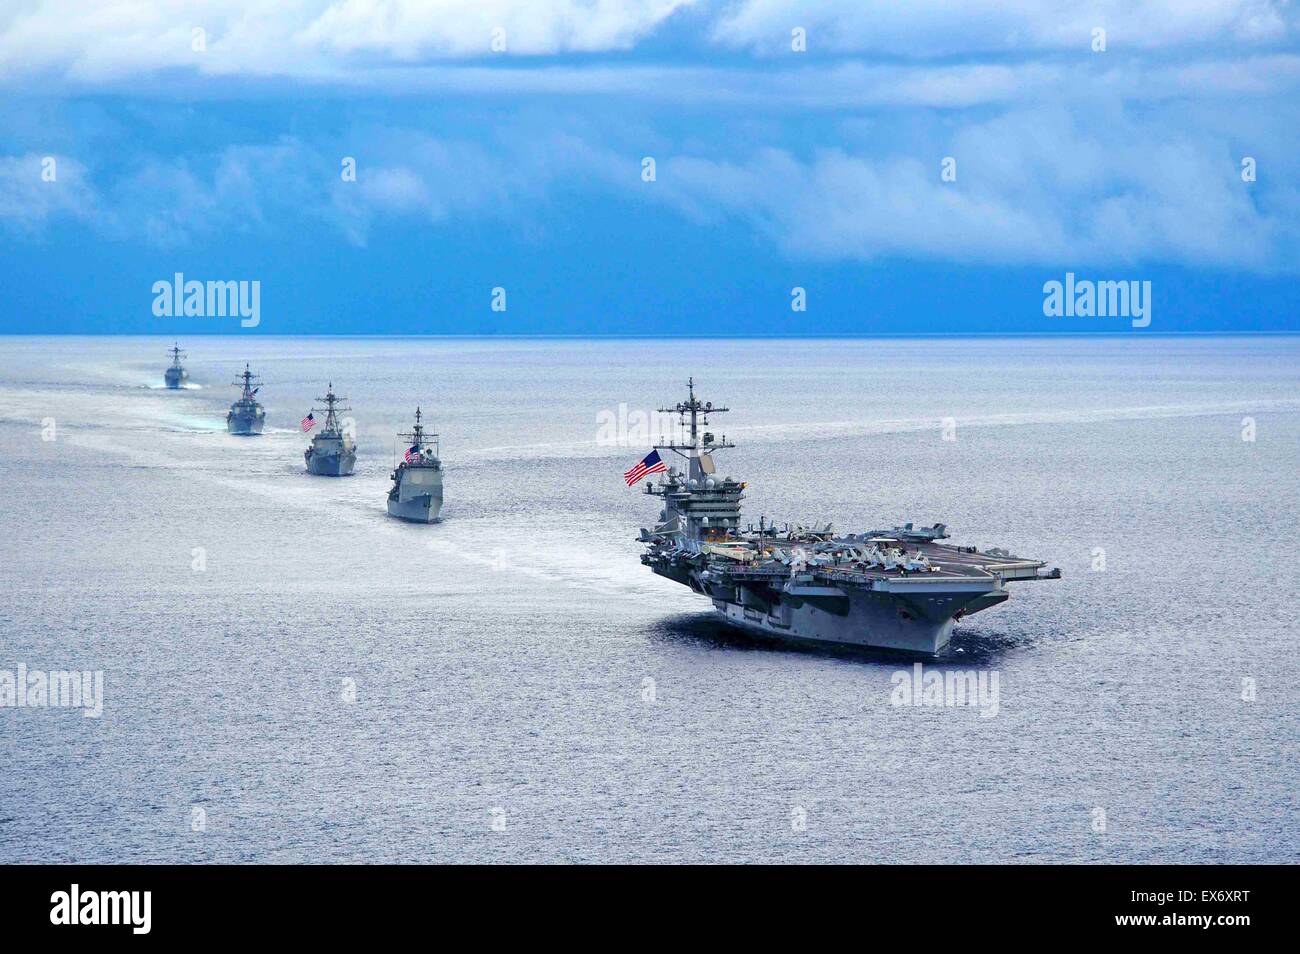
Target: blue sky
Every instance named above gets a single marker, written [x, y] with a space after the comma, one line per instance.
[775, 168]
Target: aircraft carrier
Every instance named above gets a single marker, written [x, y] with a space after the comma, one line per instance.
[899, 589]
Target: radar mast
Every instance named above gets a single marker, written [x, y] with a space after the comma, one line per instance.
[246, 380]
[692, 414]
[331, 417]
[417, 436]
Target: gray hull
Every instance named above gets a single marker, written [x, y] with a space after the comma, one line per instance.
[423, 509]
[331, 465]
[416, 494]
[175, 379]
[874, 624]
[913, 614]
[244, 425]
[331, 455]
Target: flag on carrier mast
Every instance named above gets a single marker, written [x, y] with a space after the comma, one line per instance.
[652, 463]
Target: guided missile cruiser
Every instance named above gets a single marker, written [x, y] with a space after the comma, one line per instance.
[176, 375]
[246, 416]
[332, 453]
[899, 589]
[416, 494]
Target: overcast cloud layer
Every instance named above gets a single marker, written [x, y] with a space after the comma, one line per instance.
[97, 41]
[1063, 154]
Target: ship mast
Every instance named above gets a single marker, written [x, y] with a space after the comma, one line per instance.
[245, 381]
[692, 414]
[331, 418]
[177, 354]
[416, 434]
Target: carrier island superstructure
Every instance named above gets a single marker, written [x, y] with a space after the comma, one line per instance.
[899, 589]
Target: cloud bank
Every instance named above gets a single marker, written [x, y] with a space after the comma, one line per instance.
[942, 28]
[1062, 155]
[347, 40]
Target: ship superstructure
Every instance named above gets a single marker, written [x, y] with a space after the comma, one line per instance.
[246, 416]
[176, 376]
[416, 494]
[899, 589]
[333, 452]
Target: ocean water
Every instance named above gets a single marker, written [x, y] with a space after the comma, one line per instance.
[526, 691]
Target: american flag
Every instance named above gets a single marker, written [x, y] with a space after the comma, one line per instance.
[652, 463]
[308, 423]
[412, 453]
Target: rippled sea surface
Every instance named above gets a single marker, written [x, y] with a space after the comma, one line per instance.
[526, 691]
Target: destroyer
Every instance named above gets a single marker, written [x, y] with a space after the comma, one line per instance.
[246, 416]
[898, 589]
[416, 494]
[333, 453]
[176, 376]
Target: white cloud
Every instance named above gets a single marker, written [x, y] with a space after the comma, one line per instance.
[1039, 185]
[91, 43]
[1128, 159]
[242, 190]
[263, 191]
[411, 29]
[1033, 186]
[35, 189]
[944, 28]
[169, 201]
[510, 180]
[405, 47]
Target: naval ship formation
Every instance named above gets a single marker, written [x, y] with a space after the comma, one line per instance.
[899, 589]
[416, 494]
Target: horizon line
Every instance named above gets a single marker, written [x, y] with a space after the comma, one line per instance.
[677, 337]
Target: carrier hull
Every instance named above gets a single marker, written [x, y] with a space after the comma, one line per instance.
[898, 614]
[875, 628]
